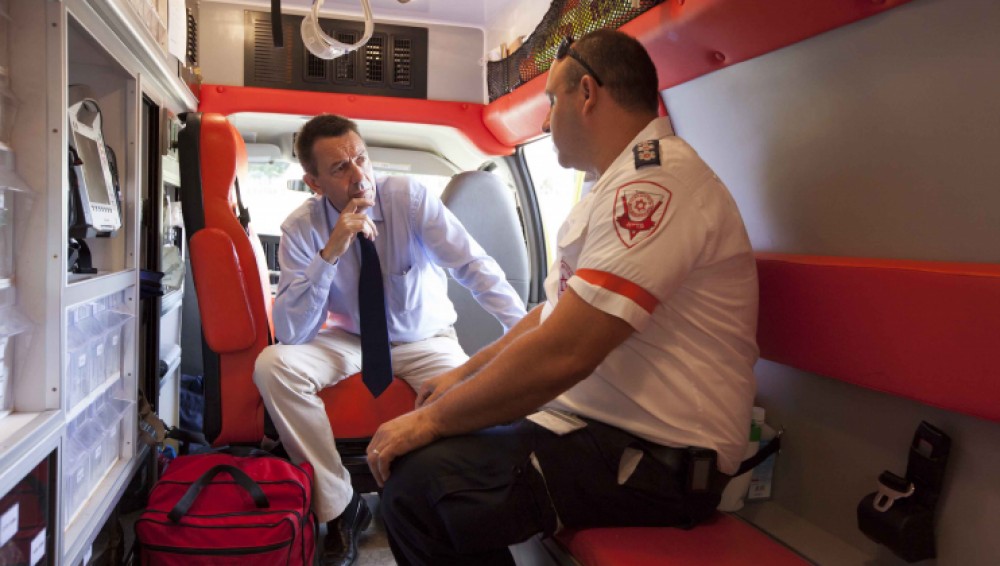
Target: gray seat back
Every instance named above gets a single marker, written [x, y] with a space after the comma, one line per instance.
[487, 209]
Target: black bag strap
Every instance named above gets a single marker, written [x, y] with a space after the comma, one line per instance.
[244, 215]
[238, 475]
[752, 462]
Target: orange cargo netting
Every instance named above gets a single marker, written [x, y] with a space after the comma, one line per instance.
[565, 18]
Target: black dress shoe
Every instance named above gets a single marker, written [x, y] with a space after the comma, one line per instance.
[340, 547]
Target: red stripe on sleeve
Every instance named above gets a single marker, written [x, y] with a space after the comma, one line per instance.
[621, 286]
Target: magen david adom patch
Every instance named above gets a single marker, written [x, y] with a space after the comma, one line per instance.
[639, 208]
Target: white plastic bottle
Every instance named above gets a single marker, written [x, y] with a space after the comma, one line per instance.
[736, 490]
[762, 476]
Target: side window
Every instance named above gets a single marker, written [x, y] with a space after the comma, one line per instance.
[270, 196]
[556, 188]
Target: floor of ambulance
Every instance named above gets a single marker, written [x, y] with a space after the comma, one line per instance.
[373, 546]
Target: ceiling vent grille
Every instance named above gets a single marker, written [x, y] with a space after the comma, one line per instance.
[273, 66]
[375, 59]
[346, 67]
[402, 55]
[392, 63]
[315, 68]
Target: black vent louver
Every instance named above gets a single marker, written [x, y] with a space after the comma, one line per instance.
[346, 66]
[375, 59]
[392, 63]
[271, 65]
[402, 54]
[191, 52]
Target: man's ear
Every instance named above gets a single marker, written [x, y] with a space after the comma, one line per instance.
[310, 180]
[589, 92]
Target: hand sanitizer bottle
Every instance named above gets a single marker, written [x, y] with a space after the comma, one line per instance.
[736, 489]
[762, 476]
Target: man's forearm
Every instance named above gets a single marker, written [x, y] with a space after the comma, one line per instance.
[537, 364]
[487, 353]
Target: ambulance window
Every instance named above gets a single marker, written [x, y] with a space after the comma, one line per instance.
[556, 188]
[435, 183]
[271, 192]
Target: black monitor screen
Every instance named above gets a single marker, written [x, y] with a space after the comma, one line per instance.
[93, 170]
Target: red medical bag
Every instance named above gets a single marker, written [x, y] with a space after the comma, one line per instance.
[222, 509]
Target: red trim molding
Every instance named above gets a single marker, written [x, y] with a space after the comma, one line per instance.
[466, 117]
[921, 330]
[620, 286]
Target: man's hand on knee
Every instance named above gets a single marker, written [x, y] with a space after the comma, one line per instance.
[397, 437]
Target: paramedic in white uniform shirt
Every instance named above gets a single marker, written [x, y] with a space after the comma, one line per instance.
[641, 357]
[416, 238]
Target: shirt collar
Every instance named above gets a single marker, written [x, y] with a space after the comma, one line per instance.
[658, 128]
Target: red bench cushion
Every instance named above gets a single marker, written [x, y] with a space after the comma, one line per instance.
[721, 541]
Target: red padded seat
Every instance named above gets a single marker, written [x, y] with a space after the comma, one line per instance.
[721, 541]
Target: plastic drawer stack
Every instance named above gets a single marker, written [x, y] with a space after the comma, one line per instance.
[95, 335]
[94, 440]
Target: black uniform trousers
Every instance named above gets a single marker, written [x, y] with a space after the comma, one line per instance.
[463, 500]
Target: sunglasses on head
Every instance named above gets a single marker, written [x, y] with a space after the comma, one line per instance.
[565, 49]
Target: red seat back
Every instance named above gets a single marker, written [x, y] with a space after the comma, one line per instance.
[230, 277]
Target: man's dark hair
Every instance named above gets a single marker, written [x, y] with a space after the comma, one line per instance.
[322, 126]
[624, 66]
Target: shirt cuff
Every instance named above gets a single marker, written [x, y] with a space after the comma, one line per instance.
[320, 273]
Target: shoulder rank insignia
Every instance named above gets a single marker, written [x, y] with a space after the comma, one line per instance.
[646, 153]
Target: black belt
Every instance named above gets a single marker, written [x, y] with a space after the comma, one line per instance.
[697, 466]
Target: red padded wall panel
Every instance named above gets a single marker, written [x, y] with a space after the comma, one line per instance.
[922, 330]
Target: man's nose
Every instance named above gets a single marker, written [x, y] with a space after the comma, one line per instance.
[545, 124]
[357, 172]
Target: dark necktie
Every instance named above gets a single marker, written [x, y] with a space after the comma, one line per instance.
[376, 361]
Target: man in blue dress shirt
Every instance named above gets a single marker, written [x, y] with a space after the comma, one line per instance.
[416, 238]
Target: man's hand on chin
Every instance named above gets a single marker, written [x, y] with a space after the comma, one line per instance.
[397, 437]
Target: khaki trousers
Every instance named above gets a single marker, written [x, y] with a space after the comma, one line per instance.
[290, 378]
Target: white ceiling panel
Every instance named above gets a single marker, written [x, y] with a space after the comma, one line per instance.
[473, 13]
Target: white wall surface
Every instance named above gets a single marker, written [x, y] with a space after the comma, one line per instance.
[879, 139]
[509, 20]
[455, 70]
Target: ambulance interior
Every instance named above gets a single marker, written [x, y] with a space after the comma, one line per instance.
[869, 135]
[858, 139]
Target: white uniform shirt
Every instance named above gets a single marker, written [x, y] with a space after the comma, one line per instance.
[663, 247]
[417, 237]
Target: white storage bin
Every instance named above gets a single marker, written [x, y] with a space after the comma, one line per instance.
[89, 434]
[12, 323]
[94, 331]
[108, 415]
[76, 475]
[6, 233]
[5, 382]
[8, 109]
[79, 365]
[114, 329]
[5, 362]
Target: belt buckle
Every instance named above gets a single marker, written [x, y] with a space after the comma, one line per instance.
[890, 488]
